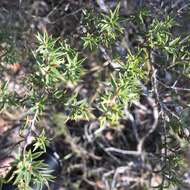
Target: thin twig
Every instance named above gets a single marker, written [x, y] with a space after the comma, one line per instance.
[173, 87]
[127, 152]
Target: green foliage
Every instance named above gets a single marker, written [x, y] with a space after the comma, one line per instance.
[56, 62]
[143, 14]
[159, 32]
[29, 170]
[123, 88]
[41, 142]
[77, 109]
[58, 75]
[111, 108]
[90, 41]
[106, 28]
[134, 66]
[109, 26]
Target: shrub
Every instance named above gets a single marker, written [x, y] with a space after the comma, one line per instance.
[59, 71]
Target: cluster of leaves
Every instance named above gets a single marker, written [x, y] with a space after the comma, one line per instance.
[58, 70]
[123, 85]
[30, 170]
[101, 29]
[122, 89]
[56, 62]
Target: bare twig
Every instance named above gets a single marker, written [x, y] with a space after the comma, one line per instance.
[126, 152]
[173, 87]
[163, 114]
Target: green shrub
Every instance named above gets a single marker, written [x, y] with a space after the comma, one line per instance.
[59, 70]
